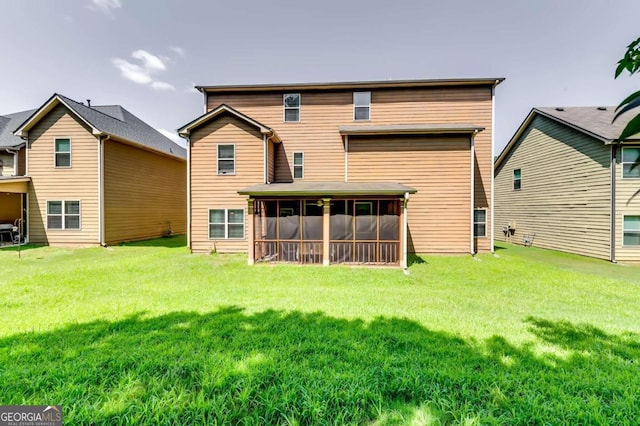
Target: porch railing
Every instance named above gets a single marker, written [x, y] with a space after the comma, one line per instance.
[308, 252]
[367, 252]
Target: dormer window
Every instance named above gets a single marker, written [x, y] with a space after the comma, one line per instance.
[291, 103]
[361, 106]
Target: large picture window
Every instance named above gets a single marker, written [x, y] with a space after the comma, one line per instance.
[291, 103]
[631, 162]
[361, 106]
[631, 230]
[226, 224]
[63, 214]
[62, 153]
[226, 159]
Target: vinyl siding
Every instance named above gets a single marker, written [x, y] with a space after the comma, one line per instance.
[271, 164]
[144, 193]
[565, 194]
[322, 112]
[627, 203]
[80, 182]
[22, 165]
[210, 191]
[439, 168]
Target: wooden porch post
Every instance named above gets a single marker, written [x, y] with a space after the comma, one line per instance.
[250, 233]
[326, 231]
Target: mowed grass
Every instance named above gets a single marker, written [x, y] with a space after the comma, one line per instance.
[147, 333]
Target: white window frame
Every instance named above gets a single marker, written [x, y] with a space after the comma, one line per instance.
[480, 223]
[285, 107]
[631, 230]
[368, 106]
[218, 159]
[63, 215]
[226, 224]
[301, 166]
[622, 163]
[369, 204]
[513, 178]
[55, 153]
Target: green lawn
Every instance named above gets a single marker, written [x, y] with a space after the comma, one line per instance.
[148, 334]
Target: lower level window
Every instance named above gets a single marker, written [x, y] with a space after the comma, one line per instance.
[631, 231]
[226, 224]
[63, 214]
[480, 223]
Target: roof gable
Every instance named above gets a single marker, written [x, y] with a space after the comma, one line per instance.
[219, 111]
[111, 120]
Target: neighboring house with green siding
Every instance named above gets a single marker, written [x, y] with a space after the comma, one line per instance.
[567, 181]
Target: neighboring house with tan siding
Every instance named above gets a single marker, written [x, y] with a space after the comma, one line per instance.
[565, 179]
[93, 175]
[354, 172]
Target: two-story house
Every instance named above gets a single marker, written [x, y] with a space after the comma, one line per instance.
[566, 179]
[354, 172]
[76, 174]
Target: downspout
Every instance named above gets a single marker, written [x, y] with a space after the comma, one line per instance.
[493, 121]
[26, 173]
[188, 139]
[265, 162]
[405, 233]
[612, 225]
[101, 141]
[346, 158]
[473, 189]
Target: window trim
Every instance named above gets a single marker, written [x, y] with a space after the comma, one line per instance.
[55, 152]
[226, 224]
[225, 159]
[623, 232]
[63, 215]
[514, 180]
[368, 106]
[298, 165]
[480, 223]
[369, 204]
[285, 108]
[622, 163]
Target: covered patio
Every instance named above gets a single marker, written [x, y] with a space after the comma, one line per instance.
[13, 208]
[328, 223]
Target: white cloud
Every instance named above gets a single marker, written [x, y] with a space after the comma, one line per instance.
[162, 85]
[173, 136]
[106, 6]
[144, 72]
[192, 88]
[179, 50]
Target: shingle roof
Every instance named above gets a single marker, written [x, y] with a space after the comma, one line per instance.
[327, 188]
[594, 120]
[114, 121]
[8, 123]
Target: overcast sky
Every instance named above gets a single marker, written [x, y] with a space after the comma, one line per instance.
[148, 55]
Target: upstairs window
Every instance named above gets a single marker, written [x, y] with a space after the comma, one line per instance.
[62, 153]
[227, 159]
[631, 231]
[480, 223]
[291, 102]
[63, 214]
[361, 106]
[517, 179]
[298, 165]
[631, 162]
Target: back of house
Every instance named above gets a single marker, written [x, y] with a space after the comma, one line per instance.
[90, 175]
[355, 172]
[567, 182]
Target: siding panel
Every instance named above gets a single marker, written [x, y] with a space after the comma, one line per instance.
[565, 195]
[144, 193]
[210, 191]
[627, 203]
[80, 182]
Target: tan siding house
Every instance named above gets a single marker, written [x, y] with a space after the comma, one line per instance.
[95, 175]
[559, 180]
[361, 172]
